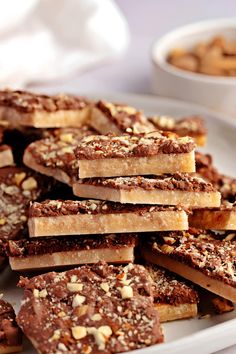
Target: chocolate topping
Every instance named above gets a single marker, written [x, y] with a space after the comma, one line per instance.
[224, 184]
[18, 186]
[169, 289]
[10, 334]
[205, 251]
[126, 118]
[178, 181]
[33, 247]
[142, 145]
[57, 151]
[55, 208]
[27, 102]
[4, 148]
[191, 126]
[90, 310]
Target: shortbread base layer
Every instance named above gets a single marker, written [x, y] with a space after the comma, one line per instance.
[213, 219]
[57, 173]
[72, 258]
[6, 158]
[101, 123]
[176, 312]
[5, 349]
[107, 223]
[43, 119]
[134, 166]
[197, 277]
[141, 196]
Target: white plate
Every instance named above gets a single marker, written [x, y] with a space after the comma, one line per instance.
[203, 336]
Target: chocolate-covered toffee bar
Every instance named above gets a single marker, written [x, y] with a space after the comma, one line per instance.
[55, 156]
[197, 256]
[107, 118]
[10, 334]
[223, 218]
[193, 126]
[18, 186]
[173, 298]
[6, 157]
[50, 252]
[57, 217]
[94, 309]
[42, 111]
[177, 189]
[143, 154]
[226, 185]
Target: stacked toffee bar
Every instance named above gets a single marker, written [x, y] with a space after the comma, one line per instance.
[134, 189]
[204, 256]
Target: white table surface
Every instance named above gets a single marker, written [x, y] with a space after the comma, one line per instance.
[148, 20]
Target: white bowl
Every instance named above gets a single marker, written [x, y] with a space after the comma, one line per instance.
[215, 92]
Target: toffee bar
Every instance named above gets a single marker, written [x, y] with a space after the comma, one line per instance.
[11, 337]
[94, 309]
[178, 189]
[57, 218]
[193, 126]
[21, 108]
[18, 186]
[143, 154]
[196, 256]
[6, 156]
[226, 185]
[223, 218]
[173, 298]
[54, 156]
[107, 118]
[52, 253]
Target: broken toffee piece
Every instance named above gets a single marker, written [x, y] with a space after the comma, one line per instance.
[18, 186]
[6, 157]
[10, 334]
[42, 111]
[178, 189]
[57, 218]
[54, 156]
[140, 154]
[193, 126]
[50, 252]
[223, 218]
[197, 256]
[107, 118]
[173, 298]
[90, 310]
[226, 185]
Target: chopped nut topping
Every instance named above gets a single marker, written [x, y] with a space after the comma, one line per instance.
[79, 332]
[105, 287]
[167, 249]
[207, 251]
[124, 146]
[78, 300]
[126, 292]
[82, 310]
[98, 325]
[96, 317]
[19, 177]
[74, 287]
[2, 221]
[29, 184]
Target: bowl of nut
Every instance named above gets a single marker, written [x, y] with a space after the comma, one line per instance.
[197, 63]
